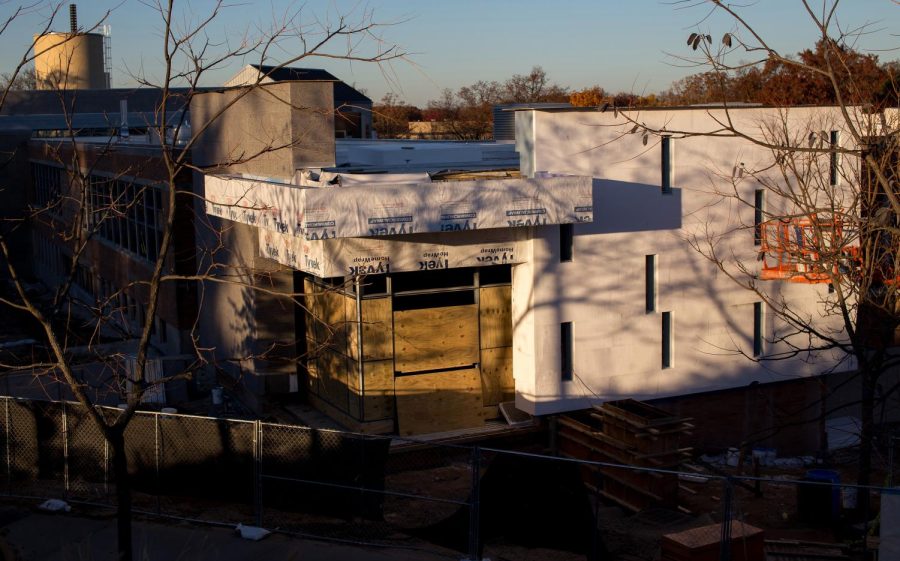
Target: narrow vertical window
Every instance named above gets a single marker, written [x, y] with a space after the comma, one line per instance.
[667, 339]
[565, 349]
[834, 160]
[759, 202]
[666, 159]
[650, 283]
[566, 242]
[757, 328]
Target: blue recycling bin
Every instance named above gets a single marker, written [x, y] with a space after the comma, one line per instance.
[820, 504]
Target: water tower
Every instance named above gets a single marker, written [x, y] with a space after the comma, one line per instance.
[72, 60]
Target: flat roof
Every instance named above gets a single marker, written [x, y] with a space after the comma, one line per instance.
[431, 156]
[701, 106]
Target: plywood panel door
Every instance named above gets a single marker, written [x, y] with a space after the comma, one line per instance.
[496, 316]
[435, 338]
[439, 401]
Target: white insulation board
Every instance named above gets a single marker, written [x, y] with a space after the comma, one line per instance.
[316, 213]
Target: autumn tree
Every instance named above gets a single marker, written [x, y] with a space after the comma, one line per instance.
[391, 116]
[595, 96]
[791, 80]
[80, 207]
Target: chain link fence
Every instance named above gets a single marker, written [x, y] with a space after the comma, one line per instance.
[447, 500]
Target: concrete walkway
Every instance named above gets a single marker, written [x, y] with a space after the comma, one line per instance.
[31, 535]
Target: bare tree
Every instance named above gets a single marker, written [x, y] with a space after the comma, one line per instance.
[532, 88]
[822, 191]
[76, 208]
[25, 80]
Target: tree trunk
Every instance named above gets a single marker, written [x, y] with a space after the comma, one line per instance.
[866, 439]
[123, 495]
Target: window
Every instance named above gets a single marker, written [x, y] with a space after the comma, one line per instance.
[666, 159]
[47, 182]
[565, 350]
[759, 202]
[494, 274]
[757, 328]
[566, 242]
[834, 159]
[650, 283]
[667, 339]
[126, 214]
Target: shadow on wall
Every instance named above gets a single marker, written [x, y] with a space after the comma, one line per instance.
[622, 207]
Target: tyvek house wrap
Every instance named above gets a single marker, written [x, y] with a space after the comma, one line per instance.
[379, 255]
[388, 210]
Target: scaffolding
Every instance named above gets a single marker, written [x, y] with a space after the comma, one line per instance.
[106, 31]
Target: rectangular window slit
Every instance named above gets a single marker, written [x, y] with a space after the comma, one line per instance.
[667, 339]
[650, 283]
[666, 159]
[759, 201]
[834, 159]
[565, 339]
[566, 242]
[757, 328]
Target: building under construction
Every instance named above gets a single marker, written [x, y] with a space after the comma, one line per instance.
[431, 298]
[420, 287]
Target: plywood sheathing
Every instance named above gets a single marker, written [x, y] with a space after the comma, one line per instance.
[496, 375]
[326, 332]
[312, 368]
[378, 394]
[377, 329]
[334, 316]
[495, 316]
[436, 338]
[333, 368]
[495, 332]
[439, 401]
[313, 312]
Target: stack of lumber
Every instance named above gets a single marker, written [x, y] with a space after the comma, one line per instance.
[628, 433]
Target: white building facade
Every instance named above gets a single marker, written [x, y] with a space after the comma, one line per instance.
[634, 308]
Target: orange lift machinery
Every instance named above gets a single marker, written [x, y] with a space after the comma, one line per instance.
[805, 249]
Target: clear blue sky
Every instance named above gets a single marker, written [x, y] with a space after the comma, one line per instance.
[620, 45]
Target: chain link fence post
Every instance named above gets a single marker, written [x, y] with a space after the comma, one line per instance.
[105, 466]
[257, 472]
[475, 507]
[362, 480]
[725, 541]
[65, 439]
[8, 448]
[157, 448]
[892, 443]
